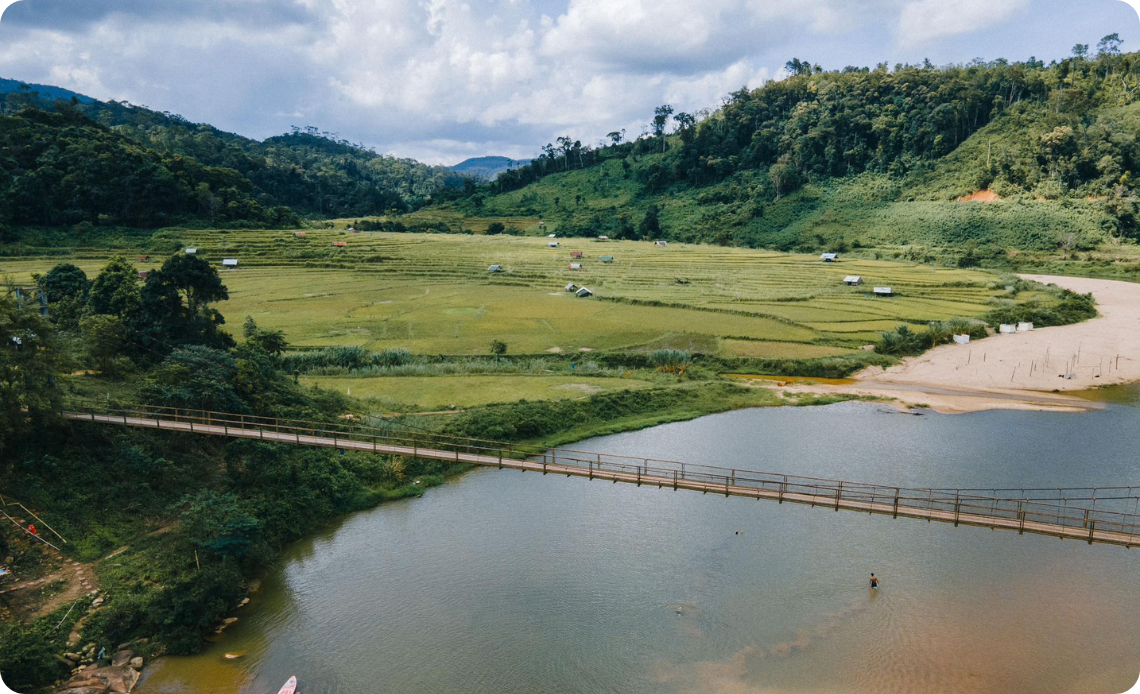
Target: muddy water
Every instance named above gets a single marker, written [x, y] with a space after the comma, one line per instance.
[504, 582]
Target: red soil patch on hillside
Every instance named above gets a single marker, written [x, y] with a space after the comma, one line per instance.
[986, 195]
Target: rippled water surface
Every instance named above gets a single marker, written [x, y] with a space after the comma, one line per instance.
[508, 582]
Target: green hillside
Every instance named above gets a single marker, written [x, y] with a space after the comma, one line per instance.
[309, 172]
[860, 159]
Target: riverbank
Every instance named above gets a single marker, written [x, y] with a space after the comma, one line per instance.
[1036, 370]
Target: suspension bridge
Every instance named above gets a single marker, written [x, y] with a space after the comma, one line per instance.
[1108, 515]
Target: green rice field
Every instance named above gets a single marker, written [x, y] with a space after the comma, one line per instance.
[433, 293]
[441, 392]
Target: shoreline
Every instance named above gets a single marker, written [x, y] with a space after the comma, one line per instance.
[1035, 370]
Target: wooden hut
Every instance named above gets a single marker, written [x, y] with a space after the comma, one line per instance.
[853, 280]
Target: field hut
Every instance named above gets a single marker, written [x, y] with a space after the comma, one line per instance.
[583, 293]
[143, 258]
[191, 251]
[883, 291]
[603, 238]
[1007, 328]
[1024, 327]
[553, 244]
[575, 254]
[828, 257]
[143, 274]
[300, 234]
[607, 259]
[571, 287]
[339, 244]
[660, 243]
[853, 280]
[551, 236]
[495, 268]
[229, 263]
[352, 230]
[962, 339]
[575, 266]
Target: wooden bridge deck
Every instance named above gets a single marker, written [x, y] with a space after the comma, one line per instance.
[1020, 515]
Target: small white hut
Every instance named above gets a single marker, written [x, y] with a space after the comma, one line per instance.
[853, 280]
[495, 268]
[191, 251]
[883, 291]
[828, 257]
[583, 293]
[553, 244]
[229, 262]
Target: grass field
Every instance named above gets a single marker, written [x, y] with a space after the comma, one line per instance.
[432, 293]
[440, 392]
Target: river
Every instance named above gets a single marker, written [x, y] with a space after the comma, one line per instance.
[515, 583]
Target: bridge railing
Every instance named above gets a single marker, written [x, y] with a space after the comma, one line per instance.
[1071, 508]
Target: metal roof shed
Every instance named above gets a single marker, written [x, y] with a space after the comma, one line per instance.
[191, 251]
[853, 280]
[229, 262]
[571, 287]
[883, 291]
[583, 293]
[495, 268]
[828, 257]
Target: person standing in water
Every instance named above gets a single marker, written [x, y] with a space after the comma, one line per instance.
[874, 581]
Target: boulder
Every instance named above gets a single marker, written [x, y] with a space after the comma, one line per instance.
[225, 623]
[137, 662]
[120, 680]
[67, 662]
[122, 658]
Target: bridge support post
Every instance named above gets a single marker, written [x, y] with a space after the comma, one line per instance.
[838, 493]
[783, 490]
[957, 508]
[674, 480]
[1020, 517]
[639, 475]
[1092, 529]
[895, 514]
[590, 463]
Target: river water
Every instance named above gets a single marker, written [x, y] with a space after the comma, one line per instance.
[514, 583]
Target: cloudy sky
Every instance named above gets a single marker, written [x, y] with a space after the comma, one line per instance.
[442, 80]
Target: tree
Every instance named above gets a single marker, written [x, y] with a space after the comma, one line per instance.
[103, 337]
[685, 123]
[217, 523]
[615, 137]
[29, 364]
[1080, 50]
[795, 66]
[495, 228]
[174, 306]
[115, 290]
[1109, 45]
[498, 347]
[660, 120]
[65, 281]
[650, 226]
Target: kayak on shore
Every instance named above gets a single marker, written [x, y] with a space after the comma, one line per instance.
[290, 686]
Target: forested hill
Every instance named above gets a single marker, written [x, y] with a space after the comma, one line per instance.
[872, 156]
[77, 160]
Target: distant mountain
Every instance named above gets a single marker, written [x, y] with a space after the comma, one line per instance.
[45, 92]
[106, 162]
[487, 167]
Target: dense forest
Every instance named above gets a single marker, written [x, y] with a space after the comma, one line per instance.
[106, 163]
[803, 162]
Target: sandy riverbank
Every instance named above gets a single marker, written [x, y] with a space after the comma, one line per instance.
[1022, 371]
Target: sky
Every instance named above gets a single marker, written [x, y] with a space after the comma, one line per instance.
[443, 80]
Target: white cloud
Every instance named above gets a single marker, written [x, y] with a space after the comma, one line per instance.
[445, 79]
[926, 20]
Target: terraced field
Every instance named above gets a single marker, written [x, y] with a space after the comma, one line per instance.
[432, 293]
